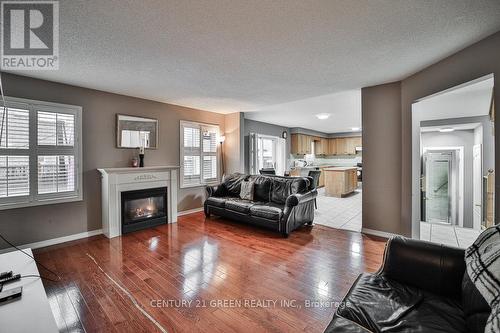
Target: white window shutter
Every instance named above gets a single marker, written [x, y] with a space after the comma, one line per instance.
[198, 154]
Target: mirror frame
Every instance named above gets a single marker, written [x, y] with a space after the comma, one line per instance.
[117, 128]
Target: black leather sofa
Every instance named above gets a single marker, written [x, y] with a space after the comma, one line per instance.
[280, 203]
[421, 287]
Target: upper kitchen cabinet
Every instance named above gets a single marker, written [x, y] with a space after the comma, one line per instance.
[321, 146]
[347, 146]
[351, 144]
[332, 146]
[301, 144]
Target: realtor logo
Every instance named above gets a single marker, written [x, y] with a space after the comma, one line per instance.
[30, 35]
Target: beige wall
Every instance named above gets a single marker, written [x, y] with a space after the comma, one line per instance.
[468, 64]
[26, 225]
[233, 161]
[381, 119]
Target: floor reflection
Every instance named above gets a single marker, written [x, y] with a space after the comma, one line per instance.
[198, 266]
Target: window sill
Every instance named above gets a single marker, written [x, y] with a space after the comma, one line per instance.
[27, 204]
[199, 185]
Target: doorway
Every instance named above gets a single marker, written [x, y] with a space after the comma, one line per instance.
[453, 162]
[267, 152]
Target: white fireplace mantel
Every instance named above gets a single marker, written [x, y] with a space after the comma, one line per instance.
[117, 180]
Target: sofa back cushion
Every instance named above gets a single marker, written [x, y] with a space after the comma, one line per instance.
[283, 187]
[232, 184]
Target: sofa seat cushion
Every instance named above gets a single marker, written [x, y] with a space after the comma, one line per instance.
[217, 201]
[383, 305]
[270, 211]
[239, 205]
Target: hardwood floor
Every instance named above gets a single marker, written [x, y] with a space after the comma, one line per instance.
[210, 265]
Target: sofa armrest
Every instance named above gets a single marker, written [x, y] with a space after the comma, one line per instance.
[214, 190]
[295, 199]
[432, 267]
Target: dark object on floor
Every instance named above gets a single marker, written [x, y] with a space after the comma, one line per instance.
[421, 287]
[280, 203]
[267, 171]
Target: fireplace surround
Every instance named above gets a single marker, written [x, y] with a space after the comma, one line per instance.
[120, 184]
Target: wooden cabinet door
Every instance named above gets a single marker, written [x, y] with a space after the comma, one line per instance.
[350, 147]
[321, 181]
[341, 146]
[295, 144]
[332, 147]
[321, 146]
[307, 140]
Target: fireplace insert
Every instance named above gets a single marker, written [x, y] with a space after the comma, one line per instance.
[143, 208]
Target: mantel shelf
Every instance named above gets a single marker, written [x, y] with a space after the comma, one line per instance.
[144, 169]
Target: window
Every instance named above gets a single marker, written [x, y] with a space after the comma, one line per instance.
[40, 153]
[199, 159]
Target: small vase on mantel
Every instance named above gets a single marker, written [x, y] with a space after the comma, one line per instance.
[141, 157]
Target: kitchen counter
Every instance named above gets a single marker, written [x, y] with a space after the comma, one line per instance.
[340, 181]
[340, 168]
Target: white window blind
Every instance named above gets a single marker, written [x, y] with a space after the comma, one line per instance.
[198, 154]
[40, 153]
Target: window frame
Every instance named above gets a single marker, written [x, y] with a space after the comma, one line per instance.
[201, 183]
[34, 150]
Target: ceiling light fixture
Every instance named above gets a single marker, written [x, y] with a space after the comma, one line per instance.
[323, 116]
[355, 129]
[446, 129]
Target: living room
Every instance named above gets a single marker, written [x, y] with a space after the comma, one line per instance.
[130, 199]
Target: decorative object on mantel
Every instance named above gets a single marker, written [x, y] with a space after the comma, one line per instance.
[222, 138]
[135, 162]
[141, 157]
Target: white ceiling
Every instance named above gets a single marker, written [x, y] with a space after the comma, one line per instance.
[470, 100]
[344, 109]
[239, 55]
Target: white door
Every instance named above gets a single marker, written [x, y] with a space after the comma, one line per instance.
[477, 189]
[438, 187]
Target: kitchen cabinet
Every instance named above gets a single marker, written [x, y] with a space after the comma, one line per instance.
[321, 146]
[347, 145]
[352, 143]
[340, 181]
[301, 144]
[332, 147]
[321, 181]
[341, 146]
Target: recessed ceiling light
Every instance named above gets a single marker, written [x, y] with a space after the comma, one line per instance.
[323, 116]
[355, 128]
[446, 129]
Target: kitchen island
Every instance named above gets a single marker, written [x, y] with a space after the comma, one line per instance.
[340, 181]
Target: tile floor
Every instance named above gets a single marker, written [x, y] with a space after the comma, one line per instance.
[448, 235]
[340, 213]
[345, 213]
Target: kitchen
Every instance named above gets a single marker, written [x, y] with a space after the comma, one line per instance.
[319, 135]
[338, 157]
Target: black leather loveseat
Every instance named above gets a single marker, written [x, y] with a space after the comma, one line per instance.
[421, 287]
[280, 203]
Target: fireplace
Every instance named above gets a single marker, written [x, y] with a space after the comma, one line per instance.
[143, 208]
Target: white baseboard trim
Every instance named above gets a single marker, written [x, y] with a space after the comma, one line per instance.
[55, 241]
[377, 233]
[190, 211]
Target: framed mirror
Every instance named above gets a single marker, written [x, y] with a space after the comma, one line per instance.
[134, 132]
